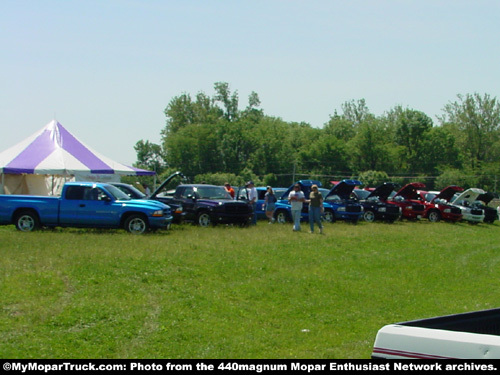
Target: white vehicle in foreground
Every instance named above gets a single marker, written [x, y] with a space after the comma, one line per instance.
[465, 201]
[473, 335]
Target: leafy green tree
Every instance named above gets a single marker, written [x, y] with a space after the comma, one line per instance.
[149, 156]
[356, 111]
[476, 120]
[373, 178]
[370, 148]
[412, 128]
[229, 100]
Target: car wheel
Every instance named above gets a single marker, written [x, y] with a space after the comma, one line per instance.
[369, 216]
[434, 216]
[329, 216]
[27, 221]
[281, 217]
[204, 219]
[136, 224]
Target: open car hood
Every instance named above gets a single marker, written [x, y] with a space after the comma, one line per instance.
[383, 191]
[486, 198]
[448, 192]
[469, 195]
[409, 191]
[344, 188]
[164, 183]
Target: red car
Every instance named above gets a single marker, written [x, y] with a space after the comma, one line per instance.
[408, 199]
[437, 206]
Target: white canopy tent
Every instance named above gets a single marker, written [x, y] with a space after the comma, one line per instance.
[41, 163]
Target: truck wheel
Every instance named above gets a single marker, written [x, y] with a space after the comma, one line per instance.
[27, 221]
[434, 216]
[204, 219]
[281, 217]
[369, 216]
[136, 224]
[329, 216]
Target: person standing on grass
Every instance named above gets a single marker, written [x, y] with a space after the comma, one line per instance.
[270, 200]
[315, 207]
[296, 199]
[252, 198]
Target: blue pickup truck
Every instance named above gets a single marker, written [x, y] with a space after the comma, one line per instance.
[84, 205]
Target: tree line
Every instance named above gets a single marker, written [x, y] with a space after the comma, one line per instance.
[210, 139]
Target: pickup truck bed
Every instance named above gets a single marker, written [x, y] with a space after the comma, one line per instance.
[473, 335]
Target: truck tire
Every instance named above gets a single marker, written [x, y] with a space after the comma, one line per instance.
[434, 216]
[204, 219]
[27, 221]
[136, 224]
[329, 216]
[369, 216]
[282, 217]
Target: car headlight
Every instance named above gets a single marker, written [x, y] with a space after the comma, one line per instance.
[382, 209]
[158, 213]
[408, 208]
[341, 209]
[447, 211]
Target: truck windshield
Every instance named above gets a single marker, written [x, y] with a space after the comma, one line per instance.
[117, 193]
[212, 192]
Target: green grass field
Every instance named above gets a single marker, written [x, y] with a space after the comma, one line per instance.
[227, 292]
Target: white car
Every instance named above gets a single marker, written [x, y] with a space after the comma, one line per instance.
[465, 201]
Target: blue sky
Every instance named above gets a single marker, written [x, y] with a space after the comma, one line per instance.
[106, 70]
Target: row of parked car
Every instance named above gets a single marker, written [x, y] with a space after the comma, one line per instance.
[209, 204]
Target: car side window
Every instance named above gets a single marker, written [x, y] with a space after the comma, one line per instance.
[75, 192]
[187, 191]
[94, 194]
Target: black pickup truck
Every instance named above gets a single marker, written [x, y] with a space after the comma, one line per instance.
[203, 204]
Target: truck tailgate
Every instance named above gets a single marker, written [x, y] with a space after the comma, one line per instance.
[400, 341]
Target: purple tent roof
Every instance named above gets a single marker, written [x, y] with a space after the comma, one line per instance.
[54, 150]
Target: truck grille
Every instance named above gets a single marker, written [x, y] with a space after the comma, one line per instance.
[237, 208]
[455, 210]
[392, 209]
[353, 208]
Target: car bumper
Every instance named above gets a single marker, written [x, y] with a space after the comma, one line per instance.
[349, 216]
[160, 222]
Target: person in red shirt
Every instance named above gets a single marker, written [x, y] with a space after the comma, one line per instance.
[229, 189]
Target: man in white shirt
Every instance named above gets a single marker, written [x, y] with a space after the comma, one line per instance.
[253, 197]
[296, 199]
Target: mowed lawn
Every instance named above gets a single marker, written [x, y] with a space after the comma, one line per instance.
[228, 292]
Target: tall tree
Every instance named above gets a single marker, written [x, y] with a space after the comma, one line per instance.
[149, 156]
[412, 128]
[476, 119]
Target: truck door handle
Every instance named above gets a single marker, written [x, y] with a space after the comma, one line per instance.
[82, 205]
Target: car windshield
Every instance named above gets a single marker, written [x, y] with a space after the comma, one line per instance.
[131, 191]
[429, 197]
[117, 193]
[362, 194]
[333, 197]
[212, 192]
